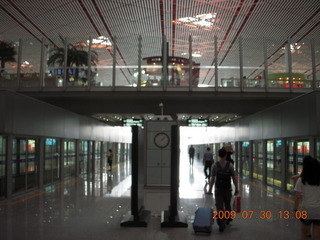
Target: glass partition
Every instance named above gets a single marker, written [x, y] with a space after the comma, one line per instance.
[54, 63]
[83, 157]
[125, 52]
[8, 74]
[291, 168]
[301, 63]
[151, 63]
[277, 63]
[277, 163]
[317, 61]
[246, 158]
[3, 163]
[30, 63]
[317, 143]
[296, 151]
[69, 159]
[257, 159]
[51, 160]
[24, 164]
[229, 65]
[270, 161]
[253, 63]
[98, 157]
[127, 65]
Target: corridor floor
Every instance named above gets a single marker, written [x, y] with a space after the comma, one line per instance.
[93, 209]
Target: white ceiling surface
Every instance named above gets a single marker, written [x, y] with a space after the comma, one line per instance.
[253, 20]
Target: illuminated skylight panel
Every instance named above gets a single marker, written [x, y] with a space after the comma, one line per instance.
[101, 41]
[203, 20]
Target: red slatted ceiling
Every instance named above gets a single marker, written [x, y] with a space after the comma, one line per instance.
[127, 19]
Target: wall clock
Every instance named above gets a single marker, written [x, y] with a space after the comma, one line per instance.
[161, 140]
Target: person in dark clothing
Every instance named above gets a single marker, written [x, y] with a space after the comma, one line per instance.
[207, 162]
[222, 173]
[191, 155]
[229, 150]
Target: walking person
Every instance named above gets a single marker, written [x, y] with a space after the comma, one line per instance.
[229, 153]
[308, 190]
[110, 159]
[222, 173]
[191, 155]
[207, 162]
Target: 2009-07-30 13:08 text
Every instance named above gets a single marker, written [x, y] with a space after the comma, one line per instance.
[250, 214]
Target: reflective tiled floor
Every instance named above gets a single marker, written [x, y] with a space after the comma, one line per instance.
[81, 209]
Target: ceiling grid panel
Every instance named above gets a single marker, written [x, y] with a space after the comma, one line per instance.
[167, 21]
[151, 40]
[94, 15]
[234, 54]
[21, 22]
[9, 27]
[222, 49]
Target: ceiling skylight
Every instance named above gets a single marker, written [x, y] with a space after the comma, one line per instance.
[203, 20]
[101, 41]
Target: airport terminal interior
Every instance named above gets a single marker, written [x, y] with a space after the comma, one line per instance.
[145, 80]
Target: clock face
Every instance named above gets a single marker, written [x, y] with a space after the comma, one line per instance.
[161, 140]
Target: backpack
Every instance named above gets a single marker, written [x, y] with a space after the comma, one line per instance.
[223, 177]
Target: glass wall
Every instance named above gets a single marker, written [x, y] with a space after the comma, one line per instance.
[317, 145]
[98, 157]
[8, 74]
[303, 149]
[257, 160]
[83, 157]
[296, 151]
[291, 169]
[317, 59]
[110, 68]
[51, 160]
[270, 161]
[301, 63]
[69, 159]
[229, 66]
[277, 163]
[246, 158]
[253, 64]
[3, 162]
[24, 164]
[30, 64]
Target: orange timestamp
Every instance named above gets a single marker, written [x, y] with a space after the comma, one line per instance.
[250, 214]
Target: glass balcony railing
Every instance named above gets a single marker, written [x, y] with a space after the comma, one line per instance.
[260, 65]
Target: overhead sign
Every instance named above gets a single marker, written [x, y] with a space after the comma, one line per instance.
[132, 122]
[198, 122]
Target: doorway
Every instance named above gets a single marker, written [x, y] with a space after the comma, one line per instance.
[295, 152]
[24, 164]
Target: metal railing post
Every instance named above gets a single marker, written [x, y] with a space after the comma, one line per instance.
[190, 63]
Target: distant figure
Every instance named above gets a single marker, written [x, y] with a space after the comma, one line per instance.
[207, 162]
[110, 159]
[229, 153]
[191, 155]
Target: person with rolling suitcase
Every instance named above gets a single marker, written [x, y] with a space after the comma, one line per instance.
[221, 174]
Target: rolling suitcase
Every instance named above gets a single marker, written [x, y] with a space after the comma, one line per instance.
[203, 220]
